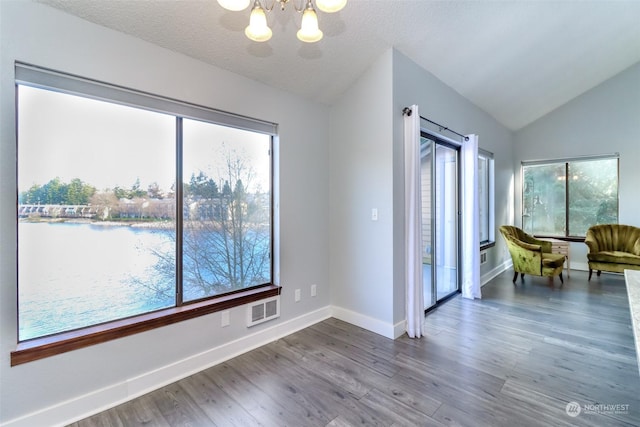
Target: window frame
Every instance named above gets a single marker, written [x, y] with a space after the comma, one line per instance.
[490, 182]
[566, 162]
[49, 345]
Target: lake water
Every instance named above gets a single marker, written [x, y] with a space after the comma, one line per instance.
[75, 275]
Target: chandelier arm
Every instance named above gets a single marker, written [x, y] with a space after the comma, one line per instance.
[303, 5]
[266, 6]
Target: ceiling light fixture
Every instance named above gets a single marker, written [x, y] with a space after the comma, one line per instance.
[258, 29]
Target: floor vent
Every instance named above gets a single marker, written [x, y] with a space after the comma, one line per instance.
[263, 310]
[483, 257]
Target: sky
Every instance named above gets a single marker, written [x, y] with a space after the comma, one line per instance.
[108, 145]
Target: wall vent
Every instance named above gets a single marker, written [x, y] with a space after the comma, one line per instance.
[261, 311]
[483, 257]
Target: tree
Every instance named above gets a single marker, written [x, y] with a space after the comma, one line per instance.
[105, 204]
[56, 192]
[226, 189]
[544, 199]
[154, 191]
[201, 187]
[32, 196]
[136, 191]
[120, 193]
[226, 251]
[593, 195]
[78, 193]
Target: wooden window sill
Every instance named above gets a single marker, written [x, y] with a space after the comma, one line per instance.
[487, 245]
[39, 348]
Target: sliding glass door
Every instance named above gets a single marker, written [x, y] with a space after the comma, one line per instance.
[439, 181]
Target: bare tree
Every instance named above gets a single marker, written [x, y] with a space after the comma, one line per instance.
[226, 236]
[106, 204]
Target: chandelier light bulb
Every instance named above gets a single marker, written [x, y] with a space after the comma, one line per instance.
[330, 6]
[258, 30]
[234, 5]
[309, 31]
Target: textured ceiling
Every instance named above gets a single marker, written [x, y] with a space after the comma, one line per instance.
[517, 60]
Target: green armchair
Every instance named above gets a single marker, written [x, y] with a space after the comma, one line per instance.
[613, 247]
[530, 255]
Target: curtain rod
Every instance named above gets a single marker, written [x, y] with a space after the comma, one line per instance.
[407, 111]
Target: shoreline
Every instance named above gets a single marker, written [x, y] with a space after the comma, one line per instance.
[132, 224]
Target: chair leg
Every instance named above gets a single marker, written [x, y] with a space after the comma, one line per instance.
[561, 279]
[515, 276]
[522, 277]
[590, 273]
[599, 273]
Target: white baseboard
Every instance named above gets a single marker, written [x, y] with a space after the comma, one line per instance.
[399, 329]
[582, 266]
[395, 331]
[485, 278]
[374, 325]
[76, 409]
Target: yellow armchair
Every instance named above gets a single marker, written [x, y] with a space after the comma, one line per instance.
[530, 255]
[613, 247]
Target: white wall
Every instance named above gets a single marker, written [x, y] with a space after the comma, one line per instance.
[366, 158]
[440, 103]
[604, 120]
[361, 177]
[68, 385]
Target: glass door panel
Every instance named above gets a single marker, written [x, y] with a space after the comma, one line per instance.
[446, 221]
[439, 182]
[426, 179]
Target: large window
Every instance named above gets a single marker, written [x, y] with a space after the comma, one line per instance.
[129, 203]
[486, 198]
[564, 198]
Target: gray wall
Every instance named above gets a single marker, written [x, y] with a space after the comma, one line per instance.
[604, 120]
[366, 158]
[87, 379]
[440, 103]
[361, 179]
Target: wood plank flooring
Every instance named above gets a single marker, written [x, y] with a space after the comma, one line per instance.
[515, 358]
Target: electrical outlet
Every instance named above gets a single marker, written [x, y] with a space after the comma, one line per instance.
[225, 318]
[313, 290]
[297, 295]
[374, 214]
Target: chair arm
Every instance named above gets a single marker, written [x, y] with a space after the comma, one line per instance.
[526, 257]
[528, 246]
[591, 243]
[544, 245]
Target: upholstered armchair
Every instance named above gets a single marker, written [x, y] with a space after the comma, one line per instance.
[613, 247]
[530, 255]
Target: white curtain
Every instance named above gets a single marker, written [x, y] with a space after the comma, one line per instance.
[413, 225]
[470, 238]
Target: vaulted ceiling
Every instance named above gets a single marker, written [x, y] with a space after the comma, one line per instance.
[517, 60]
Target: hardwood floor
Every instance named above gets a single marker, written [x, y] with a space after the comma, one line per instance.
[517, 357]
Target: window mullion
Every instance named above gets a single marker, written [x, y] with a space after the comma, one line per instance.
[179, 212]
[566, 200]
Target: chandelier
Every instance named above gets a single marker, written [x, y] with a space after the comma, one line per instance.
[259, 31]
